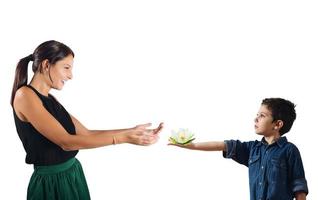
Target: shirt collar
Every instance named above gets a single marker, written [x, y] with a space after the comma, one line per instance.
[280, 142]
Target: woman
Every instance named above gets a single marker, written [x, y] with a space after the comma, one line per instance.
[50, 135]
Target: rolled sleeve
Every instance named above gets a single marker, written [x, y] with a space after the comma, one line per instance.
[237, 150]
[230, 146]
[300, 185]
[297, 173]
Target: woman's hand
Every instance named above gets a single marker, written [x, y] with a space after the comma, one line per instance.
[142, 135]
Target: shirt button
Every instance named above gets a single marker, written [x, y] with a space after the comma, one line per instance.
[260, 183]
[262, 167]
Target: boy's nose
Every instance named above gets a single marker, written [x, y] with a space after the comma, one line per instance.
[70, 76]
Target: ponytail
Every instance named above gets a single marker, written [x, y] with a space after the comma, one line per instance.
[21, 75]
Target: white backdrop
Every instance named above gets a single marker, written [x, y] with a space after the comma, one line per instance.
[202, 65]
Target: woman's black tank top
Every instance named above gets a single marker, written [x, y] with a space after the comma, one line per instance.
[40, 150]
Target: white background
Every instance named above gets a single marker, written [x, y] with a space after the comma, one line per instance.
[202, 65]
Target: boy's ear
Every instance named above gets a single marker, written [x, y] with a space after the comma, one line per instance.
[279, 124]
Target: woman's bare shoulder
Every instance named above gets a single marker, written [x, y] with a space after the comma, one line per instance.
[25, 97]
[23, 94]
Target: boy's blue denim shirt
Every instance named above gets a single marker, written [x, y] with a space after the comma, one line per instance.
[276, 171]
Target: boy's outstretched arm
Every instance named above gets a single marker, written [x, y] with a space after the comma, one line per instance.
[203, 146]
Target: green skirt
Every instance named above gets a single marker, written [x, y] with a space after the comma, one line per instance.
[65, 181]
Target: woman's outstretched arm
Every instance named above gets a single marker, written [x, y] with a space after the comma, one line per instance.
[29, 107]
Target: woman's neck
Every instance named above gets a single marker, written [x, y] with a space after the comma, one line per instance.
[39, 83]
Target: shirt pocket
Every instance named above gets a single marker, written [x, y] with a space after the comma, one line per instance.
[278, 171]
[254, 165]
[253, 159]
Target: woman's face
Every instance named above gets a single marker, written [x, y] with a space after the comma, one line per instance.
[61, 72]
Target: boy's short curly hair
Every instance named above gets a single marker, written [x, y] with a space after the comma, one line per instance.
[281, 109]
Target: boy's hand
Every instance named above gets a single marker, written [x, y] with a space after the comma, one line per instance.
[186, 146]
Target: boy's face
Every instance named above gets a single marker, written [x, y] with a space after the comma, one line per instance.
[264, 124]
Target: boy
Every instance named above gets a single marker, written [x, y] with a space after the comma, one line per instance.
[275, 167]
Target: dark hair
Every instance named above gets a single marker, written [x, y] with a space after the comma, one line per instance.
[51, 50]
[281, 109]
